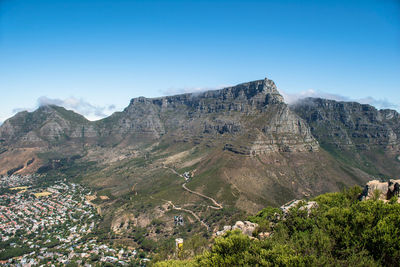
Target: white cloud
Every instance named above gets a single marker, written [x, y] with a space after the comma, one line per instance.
[177, 91]
[379, 103]
[81, 106]
[292, 98]
[93, 112]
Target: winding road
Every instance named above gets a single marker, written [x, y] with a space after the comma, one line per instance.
[216, 206]
[219, 206]
[191, 212]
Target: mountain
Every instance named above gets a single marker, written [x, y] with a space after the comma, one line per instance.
[47, 125]
[241, 147]
[255, 110]
[359, 134]
[232, 111]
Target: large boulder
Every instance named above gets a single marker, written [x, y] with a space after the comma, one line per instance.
[245, 227]
[303, 205]
[383, 190]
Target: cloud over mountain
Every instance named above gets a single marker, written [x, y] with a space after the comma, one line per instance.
[292, 98]
[185, 90]
[79, 105]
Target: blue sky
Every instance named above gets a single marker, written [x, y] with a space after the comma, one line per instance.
[94, 56]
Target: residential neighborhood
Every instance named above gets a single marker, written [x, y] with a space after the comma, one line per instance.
[53, 225]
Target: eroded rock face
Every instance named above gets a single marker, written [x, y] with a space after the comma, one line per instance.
[47, 125]
[252, 117]
[350, 124]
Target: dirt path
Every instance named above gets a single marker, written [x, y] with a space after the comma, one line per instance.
[189, 211]
[186, 210]
[217, 205]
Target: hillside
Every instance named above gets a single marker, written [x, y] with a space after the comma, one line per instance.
[242, 147]
[357, 134]
[339, 230]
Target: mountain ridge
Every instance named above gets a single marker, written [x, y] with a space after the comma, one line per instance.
[242, 146]
[145, 116]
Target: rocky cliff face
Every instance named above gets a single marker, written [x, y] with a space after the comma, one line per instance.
[242, 146]
[251, 117]
[47, 125]
[350, 124]
[247, 119]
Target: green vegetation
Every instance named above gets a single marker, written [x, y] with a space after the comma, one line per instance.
[10, 172]
[342, 231]
[351, 157]
[13, 252]
[2, 149]
[69, 167]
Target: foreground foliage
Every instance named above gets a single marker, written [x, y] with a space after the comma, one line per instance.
[342, 231]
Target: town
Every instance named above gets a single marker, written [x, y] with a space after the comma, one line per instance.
[53, 224]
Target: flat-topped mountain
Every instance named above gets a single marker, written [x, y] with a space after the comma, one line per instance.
[241, 146]
[254, 109]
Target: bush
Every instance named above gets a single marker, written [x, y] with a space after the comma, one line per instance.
[341, 232]
[10, 172]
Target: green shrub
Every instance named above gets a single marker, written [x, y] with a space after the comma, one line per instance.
[342, 231]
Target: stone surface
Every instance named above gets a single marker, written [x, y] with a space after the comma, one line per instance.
[259, 149]
[245, 227]
[384, 190]
[251, 117]
[350, 124]
[301, 204]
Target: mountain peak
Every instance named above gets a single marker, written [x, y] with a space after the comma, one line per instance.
[270, 88]
[254, 95]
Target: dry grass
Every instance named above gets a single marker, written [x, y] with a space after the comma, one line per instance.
[42, 194]
[19, 156]
[19, 188]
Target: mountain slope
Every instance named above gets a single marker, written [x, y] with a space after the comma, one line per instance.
[46, 125]
[358, 134]
[241, 146]
[254, 109]
[49, 129]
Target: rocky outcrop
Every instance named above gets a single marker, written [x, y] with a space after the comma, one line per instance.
[301, 204]
[381, 190]
[122, 223]
[252, 117]
[246, 227]
[249, 228]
